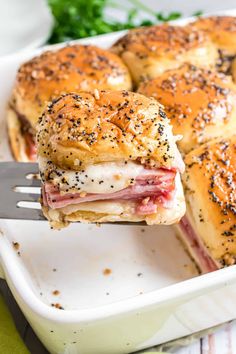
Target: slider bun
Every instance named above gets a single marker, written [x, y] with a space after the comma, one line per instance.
[233, 69]
[89, 128]
[210, 193]
[150, 51]
[199, 102]
[221, 29]
[71, 68]
[16, 139]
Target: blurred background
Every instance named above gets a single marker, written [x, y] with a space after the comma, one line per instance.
[26, 24]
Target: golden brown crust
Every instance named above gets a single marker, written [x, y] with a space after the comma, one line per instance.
[71, 68]
[199, 102]
[210, 183]
[221, 29]
[150, 51]
[82, 129]
[233, 70]
[17, 140]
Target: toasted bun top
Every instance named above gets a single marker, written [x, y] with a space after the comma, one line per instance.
[82, 129]
[210, 181]
[150, 51]
[71, 68]
[161, 40]
[221, 29]
[199, 102]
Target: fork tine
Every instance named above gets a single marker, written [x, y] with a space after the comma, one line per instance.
[14, 174]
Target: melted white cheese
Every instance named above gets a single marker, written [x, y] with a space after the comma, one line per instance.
[104, 207]
[107, 177]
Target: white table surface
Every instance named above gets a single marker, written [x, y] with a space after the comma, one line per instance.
[223, 341]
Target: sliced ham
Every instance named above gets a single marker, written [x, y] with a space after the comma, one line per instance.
[206, 263]
[30, 146]
[148, 208]
[156, 186]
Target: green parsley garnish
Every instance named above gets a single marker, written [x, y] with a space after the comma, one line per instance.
[198, 13]
[85, 18]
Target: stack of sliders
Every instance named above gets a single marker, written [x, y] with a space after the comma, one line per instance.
[72, 68]
[150, 51]
[201, 104]
[109, 156]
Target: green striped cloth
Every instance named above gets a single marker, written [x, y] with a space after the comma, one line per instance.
[10, 340]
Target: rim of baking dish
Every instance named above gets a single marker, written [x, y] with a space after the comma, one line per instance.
[196, 285]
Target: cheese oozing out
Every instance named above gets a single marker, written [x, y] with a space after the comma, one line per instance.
[123, 210]
[107, 207]
[107, 177]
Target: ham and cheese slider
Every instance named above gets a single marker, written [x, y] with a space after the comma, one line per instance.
[209, 227]
[150, 51]
[109, 156]
[222, 31]
[199, 102]
[71, 68]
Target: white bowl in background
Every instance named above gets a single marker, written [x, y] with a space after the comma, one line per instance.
[24, 24]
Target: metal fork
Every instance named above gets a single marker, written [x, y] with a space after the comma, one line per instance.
[19, 186]
[20, 190]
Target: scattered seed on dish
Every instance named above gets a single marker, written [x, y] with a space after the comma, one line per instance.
[107, 271]
[16, 245]
[55, 292]
[57, 306]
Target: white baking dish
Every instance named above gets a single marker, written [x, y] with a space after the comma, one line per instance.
[122, 288]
